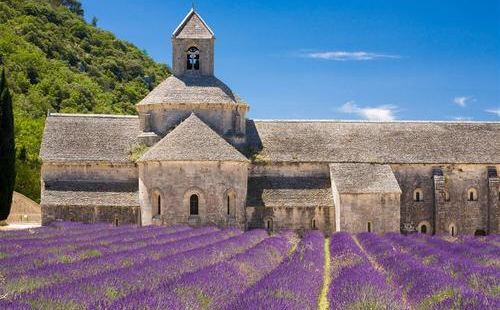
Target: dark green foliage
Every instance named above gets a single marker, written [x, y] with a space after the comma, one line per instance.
[23, 156]
[73, 5]
[59, 63]
[7, 149]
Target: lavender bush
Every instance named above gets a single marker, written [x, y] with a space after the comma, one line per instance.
[295, 284]
[482, 280]
[99, 266]
[425, 286]
[104, 288]
[216, 286]
[356, 284]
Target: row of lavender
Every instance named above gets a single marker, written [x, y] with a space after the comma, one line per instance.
[416, 272]
[207, 268]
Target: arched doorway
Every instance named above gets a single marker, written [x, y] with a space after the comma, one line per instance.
[424, 227]
[480, 232]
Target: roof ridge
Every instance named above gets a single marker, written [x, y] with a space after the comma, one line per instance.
[371, 121]
[91, 115]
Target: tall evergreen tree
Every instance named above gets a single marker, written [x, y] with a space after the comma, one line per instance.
[7, 149]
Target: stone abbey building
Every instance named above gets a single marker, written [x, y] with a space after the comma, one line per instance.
[191, 156]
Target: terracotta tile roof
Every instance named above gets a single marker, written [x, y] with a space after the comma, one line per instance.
[193, 140]
[363, 178]
[72, 137]
[375, 142]
[191, 89]
[289, 192]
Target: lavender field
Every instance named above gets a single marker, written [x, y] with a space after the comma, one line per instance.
[79, 266]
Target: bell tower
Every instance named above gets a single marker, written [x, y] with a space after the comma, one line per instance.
[193, 47]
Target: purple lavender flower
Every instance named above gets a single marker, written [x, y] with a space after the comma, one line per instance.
[355, 283]
[105, 287]
[295, 284]
[216, 286]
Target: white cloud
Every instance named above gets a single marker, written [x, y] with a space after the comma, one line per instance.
[380, 113]
[494, 111]
[462, 100]
[344, 56]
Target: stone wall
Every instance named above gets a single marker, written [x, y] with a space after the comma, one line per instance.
[176, 181]
[381, 210]
[91, 214]
[494, 202]
[410, 178]
[445, 198]
[295, 218]
[179, 57]
[23, 210]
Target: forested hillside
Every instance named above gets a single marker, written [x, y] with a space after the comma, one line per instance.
[57, 62]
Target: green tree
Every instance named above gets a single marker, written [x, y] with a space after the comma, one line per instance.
[73, 5]
[59, 63]
[7, 149]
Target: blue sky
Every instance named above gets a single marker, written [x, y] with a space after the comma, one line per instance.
[330, 59]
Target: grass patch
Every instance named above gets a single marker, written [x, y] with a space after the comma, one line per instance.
[436, 298]
[112, 293]
[323, 303]
[65, 259]
[137, 151]
[91, 253]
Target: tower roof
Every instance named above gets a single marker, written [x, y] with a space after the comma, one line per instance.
[193, 140]
[193, 27]
[191, 89]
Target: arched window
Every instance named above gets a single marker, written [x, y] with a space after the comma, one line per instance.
[230, 203]
[472, 194]
[418, 195]
[313, 224]
[193, 58]
[452, 230]
[269, 224]
[369, 226]
[193, 205]
[156, 203]
[159, 205]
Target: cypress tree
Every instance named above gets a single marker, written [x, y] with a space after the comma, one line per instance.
[7, 149]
